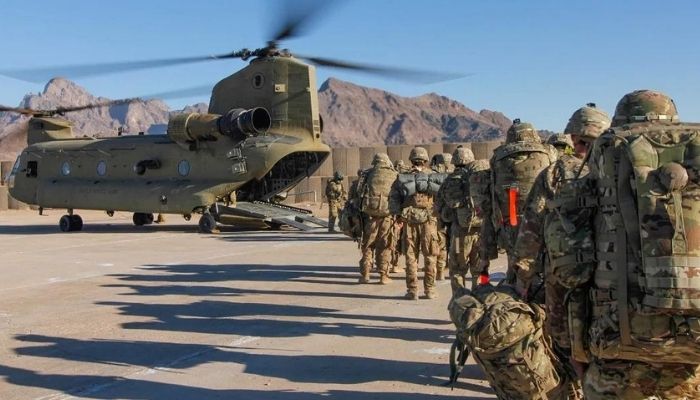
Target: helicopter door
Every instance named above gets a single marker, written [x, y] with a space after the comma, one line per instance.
[11, 178]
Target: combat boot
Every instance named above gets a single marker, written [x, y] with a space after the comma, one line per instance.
[363, 279]
[384, 279]
[440, 275]
[411, 296]
[430, 294]
[395, 269]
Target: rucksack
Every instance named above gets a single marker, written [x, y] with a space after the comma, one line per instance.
[644, 291]
[375, 195]
[505, 336]
[420, 188]
[514, 168]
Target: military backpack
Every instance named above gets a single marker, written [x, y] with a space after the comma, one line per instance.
[642, 269]
[514, 168]
[505, 336]
[375, 195]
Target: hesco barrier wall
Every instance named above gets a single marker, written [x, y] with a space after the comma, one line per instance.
[347, 160]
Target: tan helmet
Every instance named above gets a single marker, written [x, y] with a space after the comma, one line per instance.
[448, 158]
[560, 140]
[522, 132]
[645, 105]
[418, 154]
[588, 122]
[462, 156]
[337, 176]
[382, 159]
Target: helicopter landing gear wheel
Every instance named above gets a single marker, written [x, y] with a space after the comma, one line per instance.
[70, 223]
[76, 222]
[207, 224]
[142, 219]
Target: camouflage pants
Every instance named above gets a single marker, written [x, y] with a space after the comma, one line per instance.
[333, 208]
[464, 256]
[421, 239]
[376, 243]
[634, 380]
[441, 262]
[396, 249]
[557, 324]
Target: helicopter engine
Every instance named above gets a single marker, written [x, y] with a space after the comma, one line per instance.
[236, 124]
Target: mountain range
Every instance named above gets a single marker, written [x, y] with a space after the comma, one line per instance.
[353, 116]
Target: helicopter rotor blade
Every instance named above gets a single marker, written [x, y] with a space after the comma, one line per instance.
[64, 110]
[297, 15]
[41, 75]
[17, 110]
[405, 74]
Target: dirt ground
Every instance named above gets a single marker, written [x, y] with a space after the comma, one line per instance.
[162, 312]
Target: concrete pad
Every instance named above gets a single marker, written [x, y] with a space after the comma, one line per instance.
[161, 312]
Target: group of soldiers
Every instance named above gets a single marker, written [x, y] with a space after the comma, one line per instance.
[600, 227]
[390, 211]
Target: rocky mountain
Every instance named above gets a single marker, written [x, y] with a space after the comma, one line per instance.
[360, 116]
[353, 116]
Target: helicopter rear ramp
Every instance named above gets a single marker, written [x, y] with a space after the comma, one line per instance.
[274, 215]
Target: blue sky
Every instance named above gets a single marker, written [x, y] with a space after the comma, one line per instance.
[534, 59]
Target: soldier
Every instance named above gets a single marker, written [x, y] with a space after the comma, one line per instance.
[335, 193]
[514, 167]
[411, 201]
[531, 248]
[456, 208]
[401, 167]
[439, 164]
[562, 142]
[379, 227]
[632, 266]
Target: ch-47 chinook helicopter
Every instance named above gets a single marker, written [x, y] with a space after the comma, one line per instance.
[260, 137]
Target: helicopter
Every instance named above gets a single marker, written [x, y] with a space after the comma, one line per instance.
[261, 136]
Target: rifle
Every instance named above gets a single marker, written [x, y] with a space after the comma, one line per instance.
[458, 357]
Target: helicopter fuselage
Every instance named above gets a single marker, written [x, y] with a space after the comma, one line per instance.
[198, 162]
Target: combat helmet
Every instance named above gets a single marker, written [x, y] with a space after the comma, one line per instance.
[337, 176]
[382, 159]
[645, 105]
[588, 122]
[418, 154]
[522, 132]
[560, 140]
[462, 156]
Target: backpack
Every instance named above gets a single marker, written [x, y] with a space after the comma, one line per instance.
[644, 291]
[375, 196]
[514, 168]
[505, 336]
[421, 188]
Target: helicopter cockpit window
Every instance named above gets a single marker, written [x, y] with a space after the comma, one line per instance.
[183, 168]
[32, 169]
[65, 168]
[258, 81]
[101, 168]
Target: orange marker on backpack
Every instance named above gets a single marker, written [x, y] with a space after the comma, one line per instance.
[484, 279]
[513, 206]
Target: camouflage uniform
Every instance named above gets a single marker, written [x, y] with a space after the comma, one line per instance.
[439, 164]
[641, 347]
[379, 235]
[514, 168]
[454, 198]
[335, 193]
[420, 235]
[396, 250]
[531, 253]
